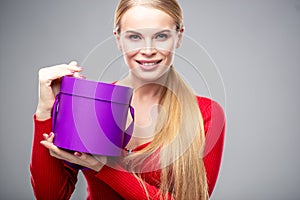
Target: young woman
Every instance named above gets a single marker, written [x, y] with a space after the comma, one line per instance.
[177, 144]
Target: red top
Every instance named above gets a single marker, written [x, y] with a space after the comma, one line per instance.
[52, 179]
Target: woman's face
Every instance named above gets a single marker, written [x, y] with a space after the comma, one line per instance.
[148, 38]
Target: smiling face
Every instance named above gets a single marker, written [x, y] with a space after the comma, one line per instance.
[148, 38]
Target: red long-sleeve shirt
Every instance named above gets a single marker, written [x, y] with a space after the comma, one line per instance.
[52, 178]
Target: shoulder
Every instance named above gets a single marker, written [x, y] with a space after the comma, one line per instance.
[213, 116]
[209, 107]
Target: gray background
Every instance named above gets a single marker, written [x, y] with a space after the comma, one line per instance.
[255, 45]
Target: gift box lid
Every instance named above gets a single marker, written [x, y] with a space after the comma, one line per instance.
[96, 90]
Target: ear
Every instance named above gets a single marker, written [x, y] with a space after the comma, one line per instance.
[117, 37]
[180, 36]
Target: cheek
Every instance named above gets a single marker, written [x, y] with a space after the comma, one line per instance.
[168, 55]
[130, 47]
[129, 58]
[165, 47]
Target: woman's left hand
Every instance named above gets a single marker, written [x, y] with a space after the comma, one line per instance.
[93, 162]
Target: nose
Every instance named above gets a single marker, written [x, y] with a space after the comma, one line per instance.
[148, 51]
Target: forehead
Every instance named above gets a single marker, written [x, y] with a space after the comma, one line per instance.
[141, 17]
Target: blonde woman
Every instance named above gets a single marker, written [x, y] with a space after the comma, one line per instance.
[173, 154]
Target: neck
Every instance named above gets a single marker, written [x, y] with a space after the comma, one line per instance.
[145, 90]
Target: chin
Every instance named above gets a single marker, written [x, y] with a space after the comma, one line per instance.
[150, 76]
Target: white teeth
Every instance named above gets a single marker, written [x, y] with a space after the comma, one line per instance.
[148, 64]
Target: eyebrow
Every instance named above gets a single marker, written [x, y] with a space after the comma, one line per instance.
[134, 32]
[162, 31]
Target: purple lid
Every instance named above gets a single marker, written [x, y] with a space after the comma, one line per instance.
[96, 90]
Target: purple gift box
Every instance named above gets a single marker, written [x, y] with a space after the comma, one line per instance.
[90, 117]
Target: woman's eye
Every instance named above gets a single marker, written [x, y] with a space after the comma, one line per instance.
[161, 36]
[134, 37]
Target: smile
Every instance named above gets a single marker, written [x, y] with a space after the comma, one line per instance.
[148, 63]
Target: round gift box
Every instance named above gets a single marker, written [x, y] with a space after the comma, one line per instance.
[90, 116]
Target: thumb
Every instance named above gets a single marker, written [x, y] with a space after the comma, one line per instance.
[73, 63]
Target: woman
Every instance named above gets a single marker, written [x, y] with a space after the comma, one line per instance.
[166, 157]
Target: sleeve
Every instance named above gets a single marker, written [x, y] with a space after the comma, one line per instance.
[51, 178]
[214, 127]
[127, 185]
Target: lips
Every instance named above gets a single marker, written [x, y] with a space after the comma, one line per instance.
[149, 63]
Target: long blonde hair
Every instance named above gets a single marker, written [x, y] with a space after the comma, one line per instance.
[179, 137]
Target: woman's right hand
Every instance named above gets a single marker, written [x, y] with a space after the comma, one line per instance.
[49, 86]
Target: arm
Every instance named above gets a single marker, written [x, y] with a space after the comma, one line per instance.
[50, 177]
[125, 184]
[214, 126]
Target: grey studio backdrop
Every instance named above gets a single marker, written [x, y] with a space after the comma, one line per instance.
[255, 46]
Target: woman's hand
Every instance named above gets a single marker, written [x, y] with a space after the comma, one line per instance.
[49, 86]
[86, 160]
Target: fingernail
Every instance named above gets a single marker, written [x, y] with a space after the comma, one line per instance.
[50, 135]
[78, 154]
[82, 76]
